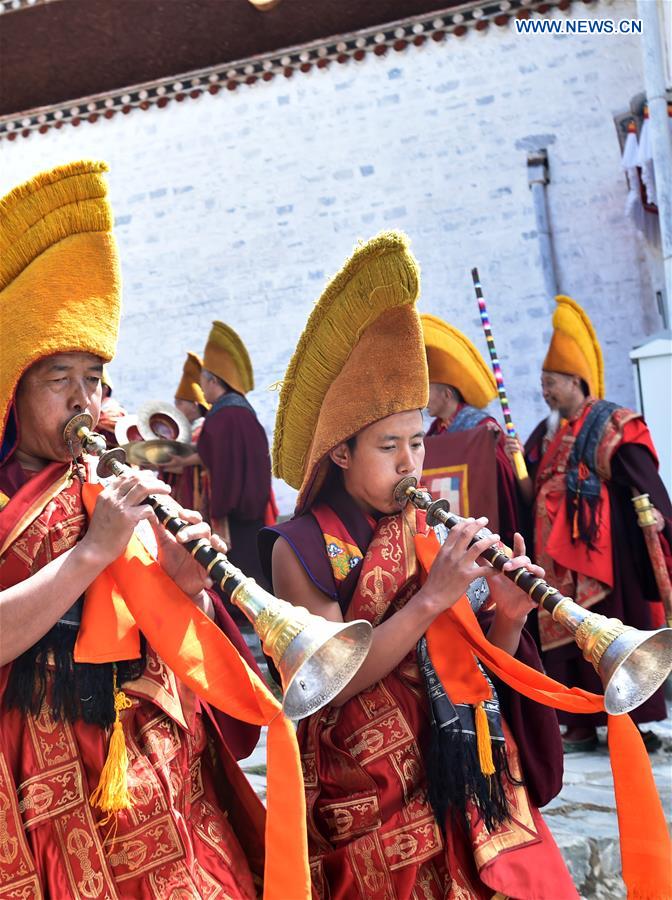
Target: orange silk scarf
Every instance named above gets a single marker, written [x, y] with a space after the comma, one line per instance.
[204, 659]
[646, 851]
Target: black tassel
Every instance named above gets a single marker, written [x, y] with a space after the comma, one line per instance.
[79, 690]
[454, 774]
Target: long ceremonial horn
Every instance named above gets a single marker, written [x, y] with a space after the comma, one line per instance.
[315, 658]
[632, 664]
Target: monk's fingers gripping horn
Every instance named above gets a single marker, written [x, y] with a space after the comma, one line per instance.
[316, 658]
[632, 664]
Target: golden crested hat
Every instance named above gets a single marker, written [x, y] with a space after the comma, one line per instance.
[226, 356]
[574, 347]
[453, 359]
[360, 358]
[60, 287]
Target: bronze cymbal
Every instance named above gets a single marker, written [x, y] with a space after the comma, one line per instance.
[126, 430]
[156, 453]
[159, 420]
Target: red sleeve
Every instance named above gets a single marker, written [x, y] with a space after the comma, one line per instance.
[636, 432]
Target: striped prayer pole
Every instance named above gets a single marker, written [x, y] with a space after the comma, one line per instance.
[518, 459]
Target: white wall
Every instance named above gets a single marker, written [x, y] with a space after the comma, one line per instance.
[240, 206]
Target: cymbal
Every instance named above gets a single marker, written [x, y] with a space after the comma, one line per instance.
[126, 430]
[156, 453]
[160, 420]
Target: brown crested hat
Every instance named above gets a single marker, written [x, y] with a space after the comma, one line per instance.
[226, 356]
[189, 387]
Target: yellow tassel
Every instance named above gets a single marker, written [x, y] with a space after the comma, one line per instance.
[483, 740]
[111, 795]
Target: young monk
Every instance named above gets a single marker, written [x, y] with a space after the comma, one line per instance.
[414, 787]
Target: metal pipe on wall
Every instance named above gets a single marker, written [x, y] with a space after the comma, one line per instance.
[537, 179]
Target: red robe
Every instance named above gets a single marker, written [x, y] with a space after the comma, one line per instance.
[371, 829]
[110, 413]
[195, 827]
[614, 579]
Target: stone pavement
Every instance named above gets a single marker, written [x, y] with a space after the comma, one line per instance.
[582, 817]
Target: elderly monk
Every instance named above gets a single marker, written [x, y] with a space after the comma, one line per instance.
[115, 778]
[585, 462]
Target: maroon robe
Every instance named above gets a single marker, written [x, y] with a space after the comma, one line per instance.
[234, 450]
[507, 495]
[632, 466]
[534, 726]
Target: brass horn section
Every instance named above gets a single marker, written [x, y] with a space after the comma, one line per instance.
[316, 658]
[632, 664]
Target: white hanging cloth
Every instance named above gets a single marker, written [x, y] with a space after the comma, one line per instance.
[645, 159]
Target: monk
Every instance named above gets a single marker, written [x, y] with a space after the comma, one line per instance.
[461, 386]
[234, 449]
[115, 779]
[585, 463]
[415, 786]
[185, 473]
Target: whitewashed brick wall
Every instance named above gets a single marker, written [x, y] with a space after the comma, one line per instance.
[240, 206]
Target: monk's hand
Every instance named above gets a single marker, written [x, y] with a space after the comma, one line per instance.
[660, 520]
[512, 446]
[174, 465]
[455, 566]
[512, 602]
[176, 561]
[119, 508]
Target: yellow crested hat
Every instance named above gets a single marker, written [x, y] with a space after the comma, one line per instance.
[360, 358]
[453, 359]
[189, 387]
[226, 357]
[574, 347]
[60, 287]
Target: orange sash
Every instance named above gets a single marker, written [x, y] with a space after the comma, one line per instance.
[205, 660]
[646, 851]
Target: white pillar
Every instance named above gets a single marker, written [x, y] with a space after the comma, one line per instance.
[650, 13]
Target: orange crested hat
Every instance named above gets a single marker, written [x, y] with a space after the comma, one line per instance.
[574, 347]
[453, 359]
[189, 387]
[360, 358]
[226, 357]
[60, 287]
